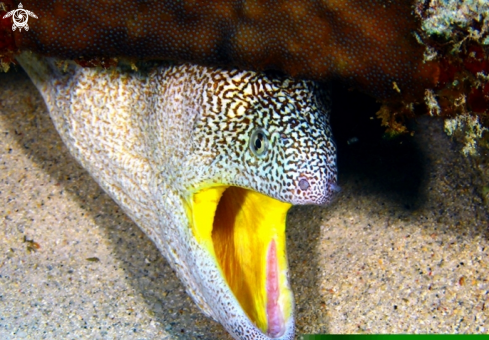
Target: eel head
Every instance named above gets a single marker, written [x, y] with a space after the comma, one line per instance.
[260, 145]
[251, 147]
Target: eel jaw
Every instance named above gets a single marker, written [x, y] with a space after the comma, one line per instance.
[244, 233]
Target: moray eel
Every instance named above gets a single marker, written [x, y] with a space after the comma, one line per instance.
[207, 162]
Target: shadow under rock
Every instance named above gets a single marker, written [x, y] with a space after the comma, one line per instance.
[171, 306]
[369, 159]
[456, 183]
[424, 173]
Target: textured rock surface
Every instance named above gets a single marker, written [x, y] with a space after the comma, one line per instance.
[456, 35]
[367, 43]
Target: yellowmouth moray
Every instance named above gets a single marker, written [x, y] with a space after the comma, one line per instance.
[207, 162]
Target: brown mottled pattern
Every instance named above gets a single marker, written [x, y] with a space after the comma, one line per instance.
[152, 140]
[369, 43]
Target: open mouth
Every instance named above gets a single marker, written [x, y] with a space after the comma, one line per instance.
[245, 232]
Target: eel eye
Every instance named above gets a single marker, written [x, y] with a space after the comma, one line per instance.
[259, 143]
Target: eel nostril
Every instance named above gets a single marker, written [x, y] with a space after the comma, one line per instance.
[334, 187]
[303, 184]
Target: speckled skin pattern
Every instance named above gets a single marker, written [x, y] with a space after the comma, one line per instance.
[152, 140]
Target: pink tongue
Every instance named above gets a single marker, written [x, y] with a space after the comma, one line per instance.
[274, 314]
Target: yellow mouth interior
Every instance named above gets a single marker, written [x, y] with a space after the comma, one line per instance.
[237, 226]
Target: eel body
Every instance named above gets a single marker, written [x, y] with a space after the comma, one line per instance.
[207, 162]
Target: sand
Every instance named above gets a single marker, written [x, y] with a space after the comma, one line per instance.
[404, 248]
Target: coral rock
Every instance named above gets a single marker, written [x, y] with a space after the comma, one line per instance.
[367, 43]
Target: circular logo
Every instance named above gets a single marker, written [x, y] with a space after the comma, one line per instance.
[20, 17]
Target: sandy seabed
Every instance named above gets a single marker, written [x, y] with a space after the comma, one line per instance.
[404, 248]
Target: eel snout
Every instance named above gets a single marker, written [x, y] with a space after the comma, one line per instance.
[314, 190]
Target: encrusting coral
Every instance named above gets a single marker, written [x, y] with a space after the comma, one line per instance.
[456, 36]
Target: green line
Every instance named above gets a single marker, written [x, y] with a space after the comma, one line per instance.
[394, 336]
